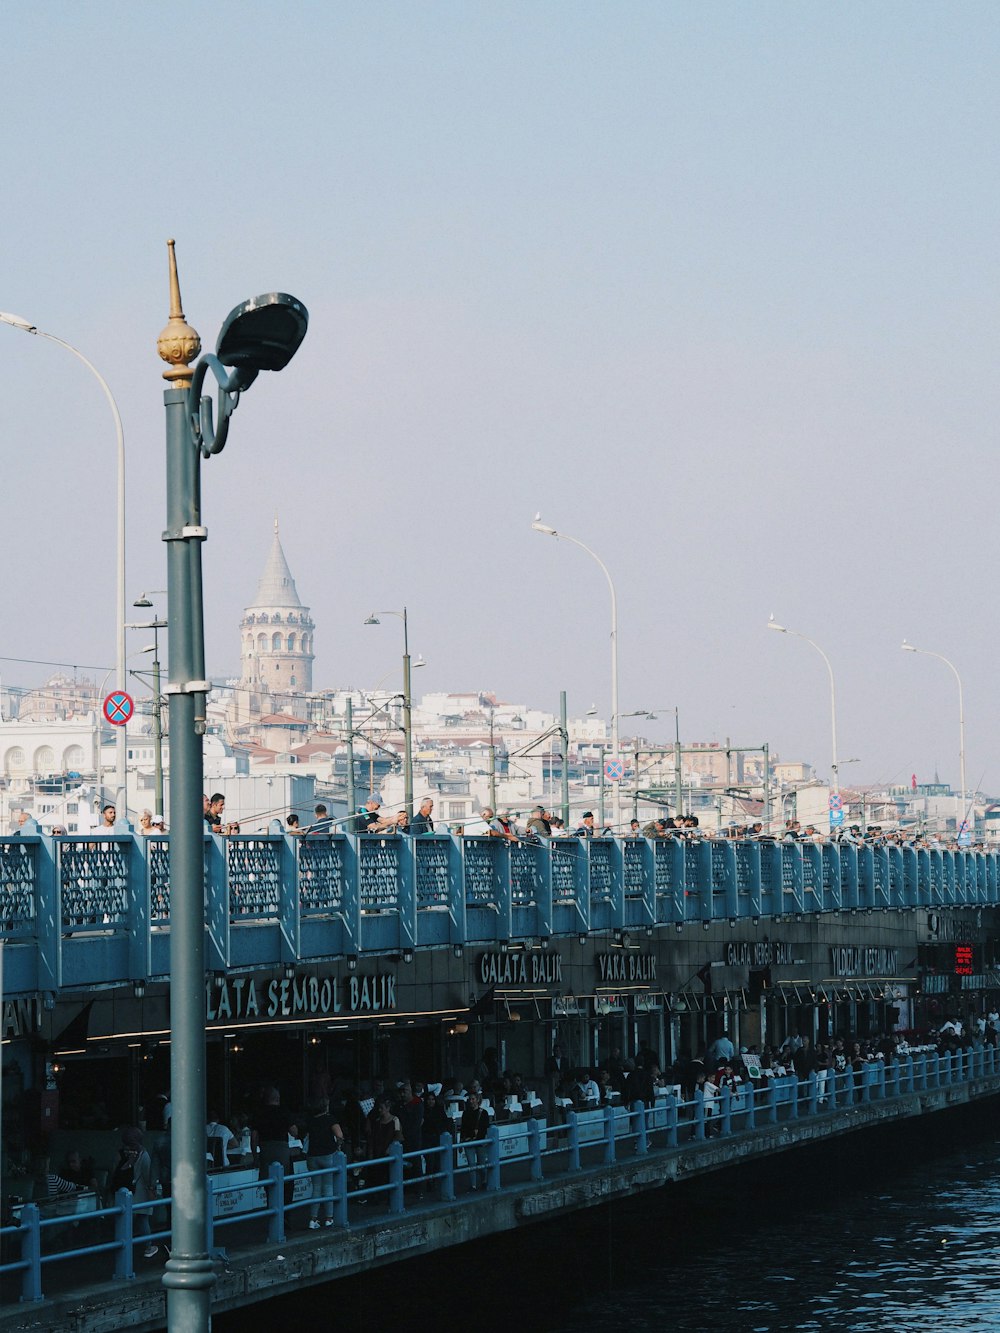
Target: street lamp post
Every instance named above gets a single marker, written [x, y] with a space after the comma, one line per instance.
[538, 526]
[261, 334]
[773, 624]
[17, 322]
[909, 648]
[407, 708]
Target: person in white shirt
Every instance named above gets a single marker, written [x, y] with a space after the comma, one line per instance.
[588, 1092]
[219, 1137]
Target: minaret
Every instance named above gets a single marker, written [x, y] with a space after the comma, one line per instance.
[277, 632]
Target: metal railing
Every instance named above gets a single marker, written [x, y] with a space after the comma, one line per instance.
[509, 1158]
[344, 894]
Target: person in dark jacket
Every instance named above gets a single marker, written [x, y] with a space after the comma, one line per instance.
[422, 822]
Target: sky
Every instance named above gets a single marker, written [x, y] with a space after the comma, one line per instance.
[711, 287]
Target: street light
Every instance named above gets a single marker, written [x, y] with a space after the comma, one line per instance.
[543, 528]
[373, 619]
[261, 334]
[909, 648]
[17, 322]
[154, 648]
[773, 624]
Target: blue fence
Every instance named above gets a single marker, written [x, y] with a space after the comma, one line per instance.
[244, 1211]
[78, 911]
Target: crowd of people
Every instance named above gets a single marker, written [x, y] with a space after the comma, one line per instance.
[541, 824]
[364, 1122]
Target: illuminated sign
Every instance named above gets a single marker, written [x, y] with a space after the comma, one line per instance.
[855, 962]
[963, 960]
[308, 996]
[624, 966]
[757, 953]
[540, 968]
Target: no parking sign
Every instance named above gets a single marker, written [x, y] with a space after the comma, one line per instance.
[118, 708]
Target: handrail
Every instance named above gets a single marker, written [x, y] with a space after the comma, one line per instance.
[341, 894]
[587, 1139]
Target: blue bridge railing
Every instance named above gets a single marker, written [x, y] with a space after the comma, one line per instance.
[87, 910]
[246, 1212]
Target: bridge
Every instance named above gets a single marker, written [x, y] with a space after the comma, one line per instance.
[88, 1278]
[84, 911]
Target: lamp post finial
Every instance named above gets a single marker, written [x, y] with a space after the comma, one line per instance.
[179, 343]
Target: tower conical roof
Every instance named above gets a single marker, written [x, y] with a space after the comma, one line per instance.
[276, 586]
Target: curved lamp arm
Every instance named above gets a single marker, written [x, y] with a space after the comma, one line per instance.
[782, 629]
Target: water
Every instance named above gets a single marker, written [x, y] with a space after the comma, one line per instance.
[894, 1233]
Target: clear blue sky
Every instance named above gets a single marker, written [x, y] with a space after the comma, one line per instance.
[711, 286]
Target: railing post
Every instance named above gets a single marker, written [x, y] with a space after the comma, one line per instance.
[609, 1135]
[340, 1189]
[31, 1253]
[641, 1136]
[124, 1237]
[274, 1192]
[395, 1155]
[772, 1101]
[447, 1168]
[673, 1119]
[493, 1158]
[699, 1115]
[793, 1101]
[727, 1111]
[936, 1071]
[751, 1094]
[866, 1087]
[813, 1095]
[573, 1127]
[535, 1148]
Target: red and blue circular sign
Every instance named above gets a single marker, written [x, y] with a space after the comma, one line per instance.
[118, 708]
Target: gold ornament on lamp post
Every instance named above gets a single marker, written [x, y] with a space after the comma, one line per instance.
[179, 343]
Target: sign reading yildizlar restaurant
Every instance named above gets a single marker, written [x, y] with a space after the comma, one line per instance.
[525, 968]
[848, 961]
[625, 966]
[307, 996]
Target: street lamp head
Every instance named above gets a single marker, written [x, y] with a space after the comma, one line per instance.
[263, 333]
[418, 661]
[773, 624]
[373, 620]
[908, 647]
[544, 527]
[142, 601]
[17, 322]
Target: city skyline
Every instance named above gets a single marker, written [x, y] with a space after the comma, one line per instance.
[711, 290]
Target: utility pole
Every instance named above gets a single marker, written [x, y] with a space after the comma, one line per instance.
[564, 733]
[349, 725]
[678, 793]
